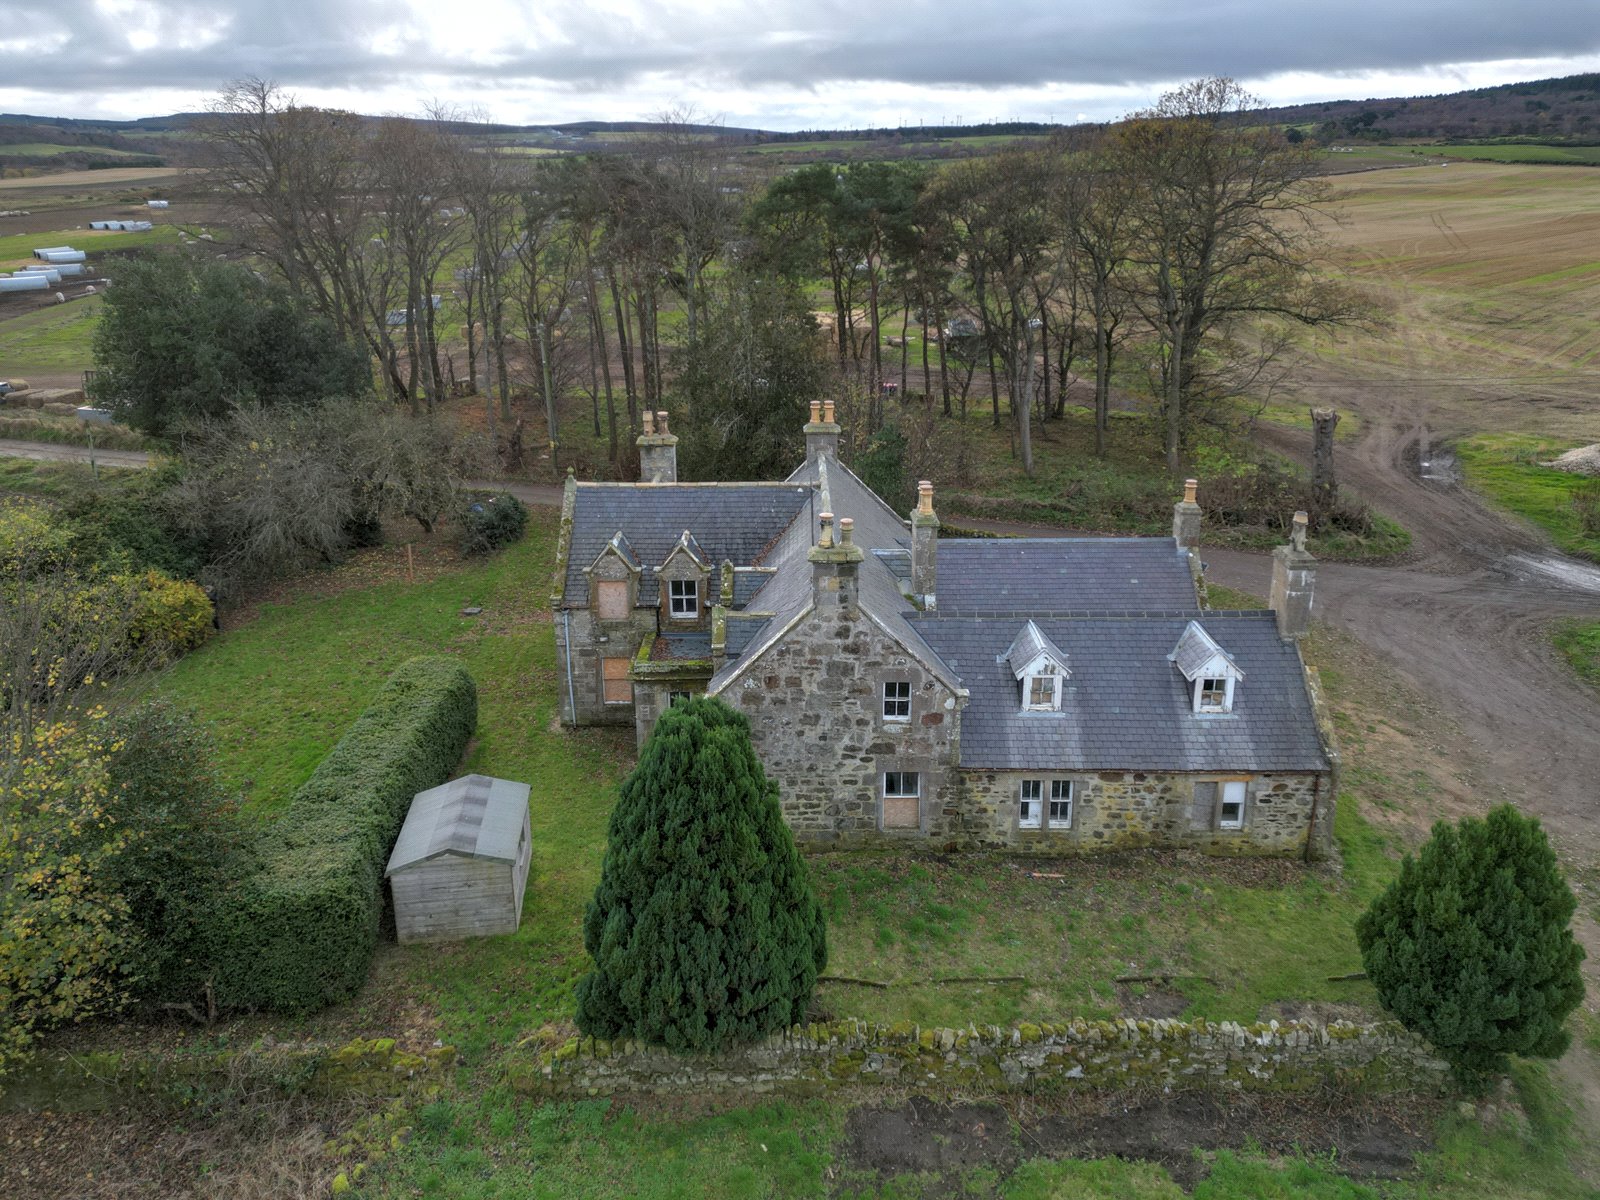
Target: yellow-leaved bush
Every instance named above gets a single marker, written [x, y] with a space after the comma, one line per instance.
[65, 938]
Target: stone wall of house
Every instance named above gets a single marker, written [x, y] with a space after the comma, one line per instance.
[1120, 810]
[1073, 1055]
[815, 703]
[592, 640]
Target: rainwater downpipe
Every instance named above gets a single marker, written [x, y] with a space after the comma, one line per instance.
[566, 638]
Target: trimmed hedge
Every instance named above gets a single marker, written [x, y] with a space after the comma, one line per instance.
[299, 929]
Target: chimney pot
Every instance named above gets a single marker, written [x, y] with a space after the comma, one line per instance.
[825, 537]
[649, 421]
[816, 411]
[1189, 487]
[661, 420]
[847, 528]
[827, 411]
[925, 498]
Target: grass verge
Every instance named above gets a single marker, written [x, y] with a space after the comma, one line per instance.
[1505, 467]
[1579, 643]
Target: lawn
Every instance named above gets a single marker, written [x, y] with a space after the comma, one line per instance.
[1505, 467]
[1511, 152]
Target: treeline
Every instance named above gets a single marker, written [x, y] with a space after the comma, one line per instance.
[911, 132]
[1143, 250]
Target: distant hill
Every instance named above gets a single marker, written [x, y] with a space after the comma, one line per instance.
[1541, 110]
[1556, 110]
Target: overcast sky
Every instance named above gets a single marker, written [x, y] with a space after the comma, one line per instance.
[784, 64]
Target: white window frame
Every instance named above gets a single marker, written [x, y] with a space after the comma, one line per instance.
[901, 777]
[1060, 794]
[1030, 804]
[679, 697]
[897, 697]
[1047, 675]
[1232, 791]
[683, 599]
[1200, 689]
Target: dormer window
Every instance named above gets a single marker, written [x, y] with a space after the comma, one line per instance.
[1209, 670]
[1040, 667]
[1043, 691]
[683, 598]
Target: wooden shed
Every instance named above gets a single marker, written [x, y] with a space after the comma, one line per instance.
[460, 864]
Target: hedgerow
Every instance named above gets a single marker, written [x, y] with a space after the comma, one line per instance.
[299, 929]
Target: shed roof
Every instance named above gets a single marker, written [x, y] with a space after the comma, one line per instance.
[476, 816]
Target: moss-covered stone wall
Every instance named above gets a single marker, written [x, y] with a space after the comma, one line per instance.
[1112, 1054]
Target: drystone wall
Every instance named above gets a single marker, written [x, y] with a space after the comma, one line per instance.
[1116, 1054]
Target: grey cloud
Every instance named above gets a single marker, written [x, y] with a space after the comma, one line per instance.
[323, 43]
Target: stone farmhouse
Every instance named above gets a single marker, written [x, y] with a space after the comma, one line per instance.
[1036, 695]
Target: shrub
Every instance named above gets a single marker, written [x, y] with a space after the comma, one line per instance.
[704, 928]
[1471, 947]
[489, 524]
[298, 930]
[181, 844]
[172, 614]
[1586, 503]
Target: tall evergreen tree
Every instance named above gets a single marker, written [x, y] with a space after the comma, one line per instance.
[1471, 946]
[704, 930]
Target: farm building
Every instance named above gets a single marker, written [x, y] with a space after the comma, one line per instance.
[460, 864]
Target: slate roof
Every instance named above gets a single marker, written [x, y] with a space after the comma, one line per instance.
[746, 583]
[728, 521]
[1126, 706]
[1195, 649]
[681, 647]
[1027, 646]
[476, 816]
[1063, 574]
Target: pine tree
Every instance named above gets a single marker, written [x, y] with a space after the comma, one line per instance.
[704, 929]
[1471, 945]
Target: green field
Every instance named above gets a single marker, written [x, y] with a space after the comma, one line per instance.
[47, 150]
[1511, 152]
[49, 340]
[18, 248]
[1579, 643]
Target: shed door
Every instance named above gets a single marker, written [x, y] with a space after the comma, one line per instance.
[612, 599]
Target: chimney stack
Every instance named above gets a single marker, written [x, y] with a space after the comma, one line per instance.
[924, 548]
[822, 432]
[835, 567]
[1294, 577]
[658, 450]
[1186, 518]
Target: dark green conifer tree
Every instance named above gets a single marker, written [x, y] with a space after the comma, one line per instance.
[1471, 946]
[704, 930]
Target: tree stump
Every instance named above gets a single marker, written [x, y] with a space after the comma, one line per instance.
[1324, 484]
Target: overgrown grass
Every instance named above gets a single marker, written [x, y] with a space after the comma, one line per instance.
[52, 480]
[31, 426]
[1505, 467]
[1510, 152]
[1579, 643]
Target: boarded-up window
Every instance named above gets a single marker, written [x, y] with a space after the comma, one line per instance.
[902, 800]
[614, 676]
[612, 599]
[1205, 805]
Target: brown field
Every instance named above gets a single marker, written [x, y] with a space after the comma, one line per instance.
[78, 179]
[1491, 275]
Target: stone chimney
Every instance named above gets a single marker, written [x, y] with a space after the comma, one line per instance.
[1186, 518]
[835, 567]
[924, 547]
[822, 432]
[658, 450]
[1294, 577]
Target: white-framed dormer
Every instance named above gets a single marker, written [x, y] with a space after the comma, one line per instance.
[684, 577]
[1209, 671]
[1040, 669]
